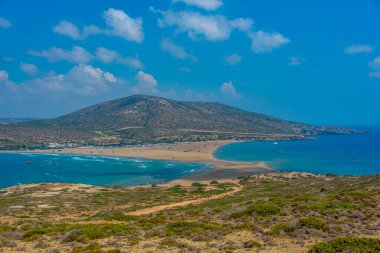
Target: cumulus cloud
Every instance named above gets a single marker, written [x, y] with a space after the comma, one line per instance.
[232, 59]
[175, 50]
[124, 26]
[209, 5]
[375, 68]
[83, 80]
[119, 25]
[264, 42]
[229, 90]
[110, 56]
[145, 84]
[359, 49]
[242, 24]
[92, 79]
[28, 68]
[54, 54]
[4, 23]
[67, 28]
[60, 93]
[211, 27]
[3, 75]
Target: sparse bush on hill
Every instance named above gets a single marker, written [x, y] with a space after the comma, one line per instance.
[348, 244]
[267, 212]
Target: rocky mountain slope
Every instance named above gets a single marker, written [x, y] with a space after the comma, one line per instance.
[148, 119]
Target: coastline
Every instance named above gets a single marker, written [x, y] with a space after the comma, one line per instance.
[201, 152]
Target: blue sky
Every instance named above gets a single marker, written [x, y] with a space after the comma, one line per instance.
[310, 61]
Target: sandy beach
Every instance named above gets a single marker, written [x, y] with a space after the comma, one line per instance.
[186, 152]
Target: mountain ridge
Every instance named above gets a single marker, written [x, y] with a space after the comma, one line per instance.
[149, 119]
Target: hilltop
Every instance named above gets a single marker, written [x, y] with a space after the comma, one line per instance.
[149, 119]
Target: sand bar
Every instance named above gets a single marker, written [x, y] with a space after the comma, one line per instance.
[185, 152]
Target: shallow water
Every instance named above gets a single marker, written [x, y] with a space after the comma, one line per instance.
[94, 170]
[341, 155]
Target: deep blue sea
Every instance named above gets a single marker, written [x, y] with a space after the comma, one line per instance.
[94, 170]
[341, 155]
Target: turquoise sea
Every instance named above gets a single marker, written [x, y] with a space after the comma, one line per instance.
[341, 155]
[94, 170]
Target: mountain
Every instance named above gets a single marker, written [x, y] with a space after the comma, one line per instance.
[14, 120]
[148, 119]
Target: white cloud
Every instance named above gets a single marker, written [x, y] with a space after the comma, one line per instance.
[374, 74]
[68, 29]
[8, 59]
[294, 61]
[375, 67]
[211, 27]
[232, 59]
[28, 68]
[359, 48]
[146, 84]
[264, 42]
[110, 56]
[242, 24]
[120, 25]
[106, 55]
[92, 79]
[3, 76]
[186, 70]
[209, 5]
[228, 89]
[4, 23]
[175, 50]
[54, 54]
[81, 80]
[375, 64]
[124, 26]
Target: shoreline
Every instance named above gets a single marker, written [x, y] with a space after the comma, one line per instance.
[200, 152]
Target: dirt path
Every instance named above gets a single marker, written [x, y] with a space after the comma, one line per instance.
[156, 209]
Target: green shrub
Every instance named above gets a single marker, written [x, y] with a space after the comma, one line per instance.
[263, 209]
[276, 230]
[151, 222]
[314, 223]
[114, 215]
[92, 248]
[177, 189]
[38, 230]
[87, 231]
[186, 228]
[343, 244]
[334, 206]
[4, 228]
[98, 231]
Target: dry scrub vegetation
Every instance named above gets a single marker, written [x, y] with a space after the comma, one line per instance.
[282, 212]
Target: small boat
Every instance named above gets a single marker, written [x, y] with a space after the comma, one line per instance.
[275, 143]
